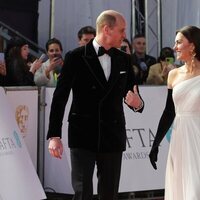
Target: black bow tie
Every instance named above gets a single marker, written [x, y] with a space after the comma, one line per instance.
[103, 51]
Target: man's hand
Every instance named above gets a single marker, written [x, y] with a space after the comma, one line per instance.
[133, 99]
[56, 147]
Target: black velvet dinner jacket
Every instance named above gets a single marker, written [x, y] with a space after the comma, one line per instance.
[96, 118]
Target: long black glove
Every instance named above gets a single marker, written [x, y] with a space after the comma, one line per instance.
[164, 124]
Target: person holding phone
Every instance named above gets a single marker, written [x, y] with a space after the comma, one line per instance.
[158, 73]
[50, 70]
[19, 71]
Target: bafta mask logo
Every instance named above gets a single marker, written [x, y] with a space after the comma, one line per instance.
[21, 116]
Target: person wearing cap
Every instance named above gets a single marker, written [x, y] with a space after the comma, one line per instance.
[19, 71]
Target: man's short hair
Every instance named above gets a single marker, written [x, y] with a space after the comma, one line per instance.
[86, 30]
[140, 35]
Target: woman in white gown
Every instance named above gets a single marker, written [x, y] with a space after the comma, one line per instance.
[182, 181]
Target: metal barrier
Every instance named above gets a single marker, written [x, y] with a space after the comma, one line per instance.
[133, 168]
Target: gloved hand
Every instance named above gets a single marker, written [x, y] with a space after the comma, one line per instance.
[153, 156]
[165, 122]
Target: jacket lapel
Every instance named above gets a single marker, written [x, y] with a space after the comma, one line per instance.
[115, 68]
[92, 62]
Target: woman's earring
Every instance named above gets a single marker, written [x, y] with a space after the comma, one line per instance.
[193, 54]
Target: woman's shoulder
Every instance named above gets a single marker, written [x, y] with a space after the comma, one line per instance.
[173, 72]
[176, 71]
[172, 76]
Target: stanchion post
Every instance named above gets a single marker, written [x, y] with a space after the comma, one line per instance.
[41, 132]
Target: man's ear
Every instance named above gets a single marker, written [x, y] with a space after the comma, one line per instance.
[106, 29]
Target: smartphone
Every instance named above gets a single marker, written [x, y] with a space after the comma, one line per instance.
[2, 57]
[42, 57]
[58, 56]
[170, 60]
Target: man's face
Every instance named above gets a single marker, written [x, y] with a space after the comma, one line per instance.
[117, 33]
[85, 39]
[139, 45]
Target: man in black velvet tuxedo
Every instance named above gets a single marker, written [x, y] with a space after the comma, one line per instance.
[100, 78]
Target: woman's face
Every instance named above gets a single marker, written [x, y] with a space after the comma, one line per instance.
[125, 47]
[183, 48]
[53, 50]
[25, 51]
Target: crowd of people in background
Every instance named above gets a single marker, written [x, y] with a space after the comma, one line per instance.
[158, 73]
[149, 70]
[20, 69]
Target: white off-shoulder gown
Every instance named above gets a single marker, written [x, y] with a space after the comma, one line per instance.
[182, 180]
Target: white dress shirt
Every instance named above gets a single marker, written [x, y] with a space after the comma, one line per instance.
[105, 60]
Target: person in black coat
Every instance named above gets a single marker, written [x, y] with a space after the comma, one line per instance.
[141, 60]
[100, 77]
